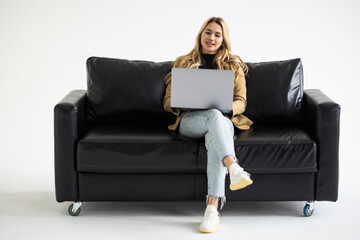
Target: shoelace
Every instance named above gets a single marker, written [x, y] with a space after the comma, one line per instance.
[211, 215]
[240, 170]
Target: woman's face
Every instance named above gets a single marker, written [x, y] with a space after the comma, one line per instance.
[211, 38]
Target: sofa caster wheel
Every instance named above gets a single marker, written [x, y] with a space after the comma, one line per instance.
[309, 208]
[75, 209]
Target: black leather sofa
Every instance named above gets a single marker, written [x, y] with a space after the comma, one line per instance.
[112, 142]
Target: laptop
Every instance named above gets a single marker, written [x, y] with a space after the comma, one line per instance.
[195, 89]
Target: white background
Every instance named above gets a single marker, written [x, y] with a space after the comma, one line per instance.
[44, 46]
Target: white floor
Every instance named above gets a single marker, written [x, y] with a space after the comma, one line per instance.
[37, 215]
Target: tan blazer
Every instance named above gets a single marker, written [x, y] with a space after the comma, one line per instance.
[239, 104]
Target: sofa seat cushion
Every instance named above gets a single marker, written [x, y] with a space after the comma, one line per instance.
[268, 149]
[135, 148]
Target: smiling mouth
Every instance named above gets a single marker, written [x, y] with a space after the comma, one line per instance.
[210, 44]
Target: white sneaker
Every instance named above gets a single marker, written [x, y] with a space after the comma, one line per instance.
[211, 220]
[238, 177]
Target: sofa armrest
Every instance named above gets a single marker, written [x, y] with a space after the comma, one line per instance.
[322, 118]
[69, 123]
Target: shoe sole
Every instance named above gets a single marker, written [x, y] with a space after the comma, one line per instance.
[242, 184]
[203, 230]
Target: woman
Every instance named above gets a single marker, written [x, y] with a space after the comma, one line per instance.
[212, 50]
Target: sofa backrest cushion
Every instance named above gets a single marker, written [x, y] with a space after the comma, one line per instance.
[120, 89]
[274, 91]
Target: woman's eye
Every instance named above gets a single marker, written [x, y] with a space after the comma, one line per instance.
[217, 35]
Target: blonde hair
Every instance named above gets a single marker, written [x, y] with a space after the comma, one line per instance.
[223, 59]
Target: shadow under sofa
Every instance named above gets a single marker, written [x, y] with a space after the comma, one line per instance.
[112, 142]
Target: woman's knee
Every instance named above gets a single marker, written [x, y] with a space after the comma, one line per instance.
[216, 119]
[214, 114]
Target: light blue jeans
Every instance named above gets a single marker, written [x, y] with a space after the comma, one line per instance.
[219, 142]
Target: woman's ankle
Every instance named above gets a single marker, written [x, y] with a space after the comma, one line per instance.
[213, 201]
[228, 161]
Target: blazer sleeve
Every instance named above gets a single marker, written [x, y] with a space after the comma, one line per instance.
[239, 103]
[239, 100]
[166, 101]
